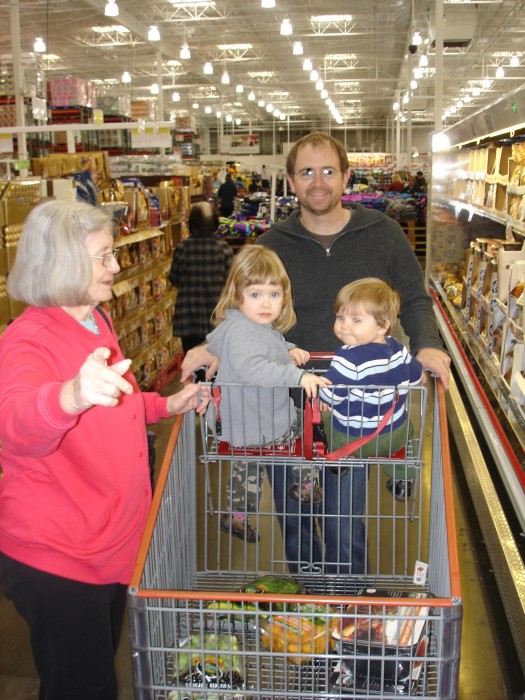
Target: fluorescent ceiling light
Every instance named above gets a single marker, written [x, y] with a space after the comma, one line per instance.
[262, 75]
[239, 88]
[208, 68]
[251, 96]
[175, 97]
[320, 19]
[229, 118]
[514, 62]
[153, 33]
[416, 39]
[286, 27]
[225, 80]
[500, 73]
[192, 3]
[261, 103]
[109, 28]
[423, 60]
[126, 77]
[185, 52]
[267, 4]
[307, 64]
[207, 109]
[154, 89]
[297, 48]
[40, 45]
[234, 47]
[111, 9]
[238, 121]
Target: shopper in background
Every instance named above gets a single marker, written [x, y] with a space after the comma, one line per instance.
[226, 195]
[254, 311]
[325, 246]
[75, 491]
[199, 270]
[409, 186]
[396, 184]
[365, 312]
[420, 183]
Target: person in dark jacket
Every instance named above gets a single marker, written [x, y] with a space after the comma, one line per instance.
[199, 270]
[324, 246]
[226, 195]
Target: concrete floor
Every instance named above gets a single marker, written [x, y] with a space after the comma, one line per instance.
[483, 671]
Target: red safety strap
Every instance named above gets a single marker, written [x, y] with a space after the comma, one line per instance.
[352, 447]
[308, 432]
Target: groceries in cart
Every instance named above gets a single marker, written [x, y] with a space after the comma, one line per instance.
[382, 647]
[207, 662]
[300, 636]
[278, 585]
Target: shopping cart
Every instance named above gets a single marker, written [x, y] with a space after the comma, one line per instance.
[202, 627]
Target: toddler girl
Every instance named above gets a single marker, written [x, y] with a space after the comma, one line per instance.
[253, 312]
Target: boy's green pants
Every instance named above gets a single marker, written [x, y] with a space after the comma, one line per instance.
[384, 445]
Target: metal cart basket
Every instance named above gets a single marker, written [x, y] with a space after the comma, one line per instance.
[214, 616]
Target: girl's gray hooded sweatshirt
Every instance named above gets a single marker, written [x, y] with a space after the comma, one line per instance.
[255, 356]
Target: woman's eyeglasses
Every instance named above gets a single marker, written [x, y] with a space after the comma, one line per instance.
[107, 257]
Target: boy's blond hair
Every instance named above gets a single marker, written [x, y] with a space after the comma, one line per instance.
[372, 295]
[255, 264]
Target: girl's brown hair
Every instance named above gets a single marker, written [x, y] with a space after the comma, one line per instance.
[255, 264]
[374, 296]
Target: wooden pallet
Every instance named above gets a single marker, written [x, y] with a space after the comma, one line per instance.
[417, 237]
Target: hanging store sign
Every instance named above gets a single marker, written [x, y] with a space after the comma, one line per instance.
[240, 143]
[151, 138]
[6, 143]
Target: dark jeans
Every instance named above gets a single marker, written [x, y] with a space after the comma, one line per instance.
[335, 526]
[75, 630]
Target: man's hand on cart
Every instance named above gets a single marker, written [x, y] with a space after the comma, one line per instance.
[199, 357]
[437, 362]
[310, 382]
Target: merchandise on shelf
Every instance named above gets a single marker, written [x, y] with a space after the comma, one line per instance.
[71, 92]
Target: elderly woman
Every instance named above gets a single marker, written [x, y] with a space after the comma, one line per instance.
[75, 491]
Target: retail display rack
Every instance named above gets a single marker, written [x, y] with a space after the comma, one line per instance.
[476, 270]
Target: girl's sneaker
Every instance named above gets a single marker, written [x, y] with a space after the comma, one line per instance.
[309, 493]
[238, 526]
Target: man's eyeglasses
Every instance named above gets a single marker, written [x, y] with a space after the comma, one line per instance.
[107, 257]
[324, 173]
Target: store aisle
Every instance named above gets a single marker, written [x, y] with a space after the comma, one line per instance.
[481, 674]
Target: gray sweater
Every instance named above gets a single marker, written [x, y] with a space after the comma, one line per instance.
[257, 355]
[371, 245]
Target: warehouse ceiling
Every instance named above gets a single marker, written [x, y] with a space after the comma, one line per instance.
[363, 52]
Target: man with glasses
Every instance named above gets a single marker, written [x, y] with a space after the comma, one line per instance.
[324, 246]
